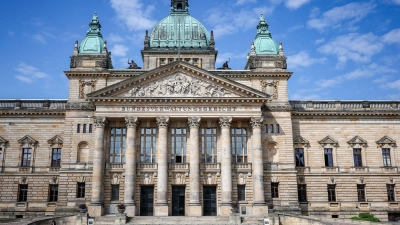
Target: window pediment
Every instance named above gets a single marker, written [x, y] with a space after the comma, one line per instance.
[357, 140]
[27, 141]
[299, 140]
[3, 141]
[386, 140]
[56, 140]
[328, 140]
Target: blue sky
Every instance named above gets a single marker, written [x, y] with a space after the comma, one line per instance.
[337, 49]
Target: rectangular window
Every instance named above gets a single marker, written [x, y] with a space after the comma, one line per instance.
[271, 128]
[274, 190]
[26, 157]
[148, 145]
[56, 157]
[390, 192]
[241, 192]
[302, 192]
[53, 195]
[22, 192]
[299, 152]
[328, 157]
[90, 128]
[357, 157]
[80, 192]
[84, 128]
[1, 153]
[239, 145]
[115, 192]
[78, 128]
[361, 192]
[178, 145]
[386, 157]
[266, 128]
[331, 192]
[117, 145]
[278, 129]
[209, 145]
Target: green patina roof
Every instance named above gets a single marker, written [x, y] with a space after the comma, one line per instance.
[93, 43]
[264, 44]
[179, 25]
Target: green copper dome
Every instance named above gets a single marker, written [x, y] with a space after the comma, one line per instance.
[264, 44]
[93, 43]
[179, 29]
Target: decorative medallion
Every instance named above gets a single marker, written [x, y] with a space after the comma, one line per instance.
[270, 88]
[85, 87]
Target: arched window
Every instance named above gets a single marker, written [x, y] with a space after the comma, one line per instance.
[179, 6]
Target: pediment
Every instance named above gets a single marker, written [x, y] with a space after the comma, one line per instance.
[357, 140]
[328, 140]
[300, 140]
[55, 140]
[3, 141]
[386, 140]
[27, 140]
[178, 80]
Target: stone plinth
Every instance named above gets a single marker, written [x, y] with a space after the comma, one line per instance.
[161, 210]
[260, 210]
[130, 210]
[120, 218]
[225, 210]
[95, 210]
[195, 210]
[234, 218]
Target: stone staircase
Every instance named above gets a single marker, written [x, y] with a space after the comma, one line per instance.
[179, 220]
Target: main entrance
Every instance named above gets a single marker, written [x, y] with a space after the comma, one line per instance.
[178, 200]
[146, 200]
[210, 200]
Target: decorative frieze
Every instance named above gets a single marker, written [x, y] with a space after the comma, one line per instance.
[86, 106]
[270, 88]
[86, 87]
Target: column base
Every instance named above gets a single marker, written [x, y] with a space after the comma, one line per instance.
[130, 210]
[161, 210]
[95, 210]
[234, 218]
[260, 210]
[225, 210]
[195, 210]
[120, 218]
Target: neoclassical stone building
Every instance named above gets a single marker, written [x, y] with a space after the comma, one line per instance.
[179, 137]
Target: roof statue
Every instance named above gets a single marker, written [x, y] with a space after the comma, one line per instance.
[264, 44]
[133, 65]
[225, 66]
[93, 42]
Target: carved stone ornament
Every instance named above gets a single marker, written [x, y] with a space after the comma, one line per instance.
[332, 180]
[299, 140]
[361, 180]
[225, 121]
[146, 179]
[179, 179]
[27, 141]
[56, 140]
[328, 140]
[87, 106]
[80, 179]
[357, 140]
[86, 87]
[270, 88]
[194, 121]
[131, 121]
[24, 180]
[178, 85]
[54, 180]
[3, 141]
[162, 121]
[116, 178]
[209, 178]
[256, 121]
[241, 178]
[386, 140]
[102, 63]
[100, 121]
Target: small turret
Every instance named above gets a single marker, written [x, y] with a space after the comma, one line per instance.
[93, 43]
[212, 41]
[264, 44]
[76, 51]
[281, 52]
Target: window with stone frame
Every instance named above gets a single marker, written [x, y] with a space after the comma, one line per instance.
[84, 128]
[274, 190]
[328, 157]
[299, 155]
[117, 145]
[115, 192]
[22, 192]
[361, 192]
[331, 192]
[386, 157]
[26, 157]
[53, 193]
[302, 192]
[278, 129]
[241, 192]
[390, 192]
[90, 128]
[1, 154]
[80, 190]
[78, 128]
[239, 145]
[178, 145]
[148, 145]
[209, 145]
[56, 157]
[357, 157]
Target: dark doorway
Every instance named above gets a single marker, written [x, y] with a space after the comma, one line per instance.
[210, 200]
[146, 200]
[178, 200]
[394, 216]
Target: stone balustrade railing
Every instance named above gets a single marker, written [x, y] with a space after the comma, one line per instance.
[33, 104]
[344, 105]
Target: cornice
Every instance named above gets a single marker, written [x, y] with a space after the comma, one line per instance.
[32, 113]
[86, 74]
[180, 100]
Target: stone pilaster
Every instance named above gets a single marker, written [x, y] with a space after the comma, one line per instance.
[130, 165]
[195, 208]
[95, 208]
[161, 208]
[226, 164]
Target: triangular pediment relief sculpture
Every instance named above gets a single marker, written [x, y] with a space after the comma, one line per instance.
[300, 140]
[27, 141]
[357, 140]
[328, 140]
[3, 141]
[386, 140]
[55, 140]
[178, 80]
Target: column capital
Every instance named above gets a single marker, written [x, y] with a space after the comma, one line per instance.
[256, 121]
[100, 121]
[225, 121]
[131, 121]
[194, 121]
[162, 121]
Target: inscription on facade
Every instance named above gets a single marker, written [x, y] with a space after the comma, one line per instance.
[178, 109]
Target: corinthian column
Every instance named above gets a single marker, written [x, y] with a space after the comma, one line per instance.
[226, 160]
[130, 164]
[258, 167]
[195, 207]
[162, 177]
[98, 167]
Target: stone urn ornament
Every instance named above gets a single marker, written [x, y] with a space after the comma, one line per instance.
[121, 208]
[82, 208]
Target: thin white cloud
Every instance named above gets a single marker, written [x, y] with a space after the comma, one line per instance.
[297, 27]
[319, 41]
[42, 37]
[336, 17]
[392, 37]
[396, 2]
[119, 50]
[392, 85]
[226, 56]
[242, 2]
[114, 38]
[291, 4]
[10, 33]
[303, 59]
[28, 73]
[134, 13]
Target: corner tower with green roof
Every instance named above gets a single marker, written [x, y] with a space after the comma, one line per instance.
[179, 36]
